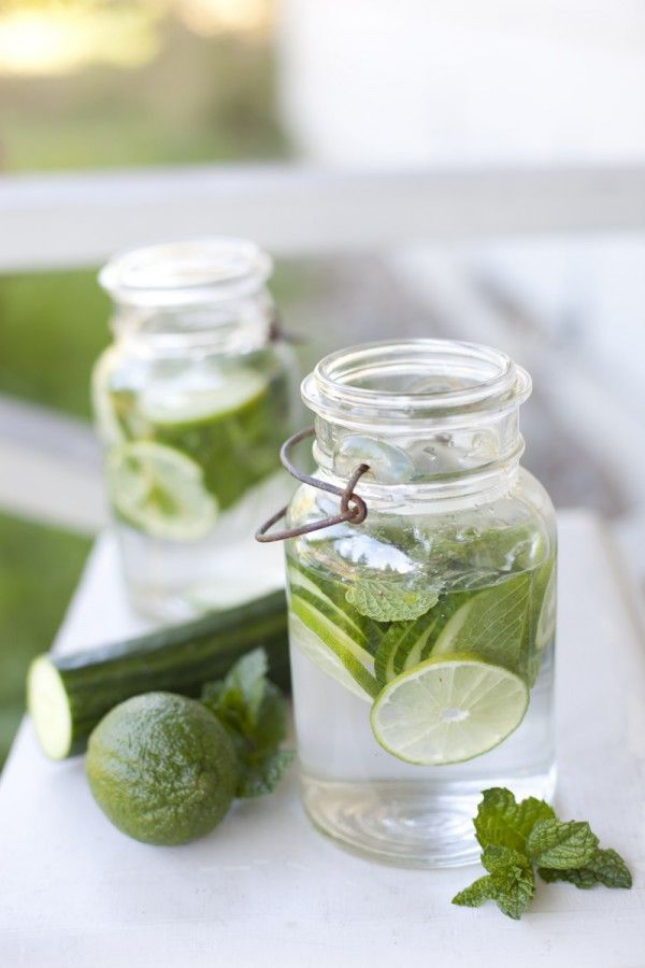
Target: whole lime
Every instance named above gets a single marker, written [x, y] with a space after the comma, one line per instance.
[162, 768]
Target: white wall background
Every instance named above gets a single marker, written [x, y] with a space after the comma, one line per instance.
[455, 82]
[460, 83]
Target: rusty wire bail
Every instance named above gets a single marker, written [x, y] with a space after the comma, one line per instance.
[278, 334]
[352, 507]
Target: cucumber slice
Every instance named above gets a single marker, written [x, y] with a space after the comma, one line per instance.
[50, 708]
[327, 594]
[387, 651]
[335, 635]
[405, 644]
[302, 638]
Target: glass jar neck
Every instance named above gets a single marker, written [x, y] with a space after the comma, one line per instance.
[433, 419]
[234, 327]
[206, 296]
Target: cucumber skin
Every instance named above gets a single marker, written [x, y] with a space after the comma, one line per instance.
[179, 659]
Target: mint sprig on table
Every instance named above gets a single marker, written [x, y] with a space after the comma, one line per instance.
[253, 711]
[516, 837]
[385, 601]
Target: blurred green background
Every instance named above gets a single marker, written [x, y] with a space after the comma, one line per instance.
[95, 84]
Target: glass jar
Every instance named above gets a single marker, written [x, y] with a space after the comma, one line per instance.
[422, 639]
[191, 402]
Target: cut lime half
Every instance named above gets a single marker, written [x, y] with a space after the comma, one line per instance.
[161, 491]
[447, 710]
[182, 401]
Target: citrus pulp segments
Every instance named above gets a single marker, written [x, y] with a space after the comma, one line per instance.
[448, 710]
[160, 490]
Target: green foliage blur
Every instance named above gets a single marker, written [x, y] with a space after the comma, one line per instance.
[197, 98]
[39, 566]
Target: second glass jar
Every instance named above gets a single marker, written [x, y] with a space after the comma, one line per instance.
[192, 401]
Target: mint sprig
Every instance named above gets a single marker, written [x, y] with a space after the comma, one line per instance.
[253, 710]
[510, 882]
[388, 601]
[517, 836]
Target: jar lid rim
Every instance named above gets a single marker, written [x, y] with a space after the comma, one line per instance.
[406, 381]
[187, 272]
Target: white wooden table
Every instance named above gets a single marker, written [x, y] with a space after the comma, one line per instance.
[264, 889]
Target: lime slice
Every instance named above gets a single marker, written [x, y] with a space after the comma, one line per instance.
[160, 490]
[107, 422]
[183, 401]
[309, 644]
[447, 710]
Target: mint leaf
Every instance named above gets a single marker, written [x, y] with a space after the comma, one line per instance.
[496, 625]
[561, 845]
[606, 867]
[479, 891]
[271, 721]
[510, 883]
[501, 820]
[496, 858]
[514, 888]
[389, 601]
[254, 712]
[264, 778]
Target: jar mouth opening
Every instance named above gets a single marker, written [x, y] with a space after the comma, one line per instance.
[409, 380]
[191, 272]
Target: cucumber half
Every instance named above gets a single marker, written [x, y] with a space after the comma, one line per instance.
[67, 695]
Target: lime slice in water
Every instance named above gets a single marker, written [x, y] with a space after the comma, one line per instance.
[182, 401]
[447, 710]
[160, 490]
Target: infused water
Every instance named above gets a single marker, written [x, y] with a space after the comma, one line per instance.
[370, 798]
